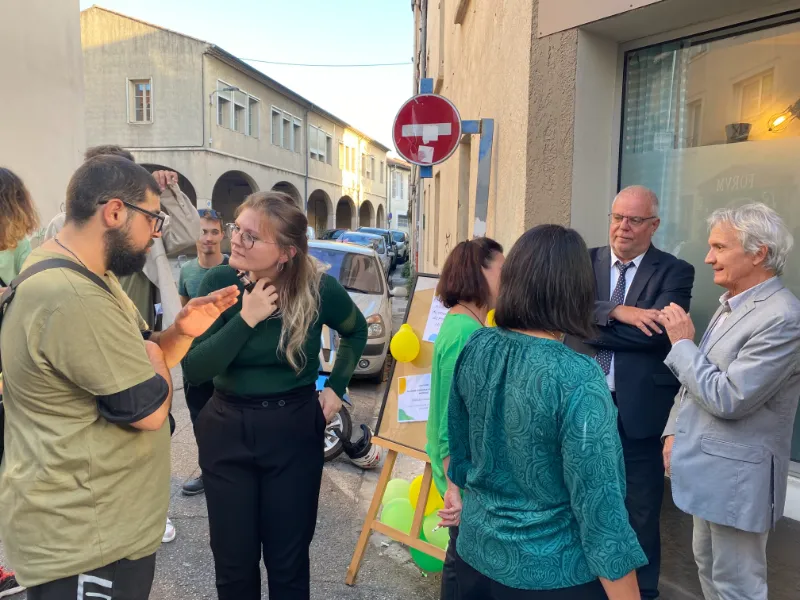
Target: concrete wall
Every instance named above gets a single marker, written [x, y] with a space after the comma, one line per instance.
[42, 125]
[258, 148]
[116, 49]
[185, 134]
[483, 66]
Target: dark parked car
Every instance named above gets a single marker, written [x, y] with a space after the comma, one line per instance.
[401, 239]
[390, 243]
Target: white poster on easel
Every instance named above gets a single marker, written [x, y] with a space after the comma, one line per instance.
[413, 398]
[436, 316]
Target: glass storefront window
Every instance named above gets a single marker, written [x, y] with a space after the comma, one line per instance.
[710, 123]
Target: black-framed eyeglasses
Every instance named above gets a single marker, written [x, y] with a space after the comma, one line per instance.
[635, 221]
[157, 219]
[248, 239]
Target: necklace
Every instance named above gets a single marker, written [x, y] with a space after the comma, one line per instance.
[55, 239]
[477, 318]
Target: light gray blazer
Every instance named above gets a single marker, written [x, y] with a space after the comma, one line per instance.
[734, 413]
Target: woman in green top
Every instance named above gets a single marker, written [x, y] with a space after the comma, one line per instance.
[260, 438]
[18, 220]
[534, 441]
[468, 287]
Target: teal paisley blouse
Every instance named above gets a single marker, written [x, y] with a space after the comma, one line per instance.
[534, 445]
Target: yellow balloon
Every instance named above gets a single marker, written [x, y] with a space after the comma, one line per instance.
[435, 502]
[405, 344]
[490, 322]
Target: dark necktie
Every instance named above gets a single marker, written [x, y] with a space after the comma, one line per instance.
[617, 297]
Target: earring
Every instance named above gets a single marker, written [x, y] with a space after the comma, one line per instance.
[280, 267]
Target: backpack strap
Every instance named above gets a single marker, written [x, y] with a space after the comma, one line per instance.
[44, 265]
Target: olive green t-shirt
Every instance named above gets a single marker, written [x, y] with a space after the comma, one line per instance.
[76, 492]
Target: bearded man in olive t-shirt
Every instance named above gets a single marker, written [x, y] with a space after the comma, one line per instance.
[84, 481]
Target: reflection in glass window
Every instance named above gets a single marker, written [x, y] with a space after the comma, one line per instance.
[714, 124]
[358, 273]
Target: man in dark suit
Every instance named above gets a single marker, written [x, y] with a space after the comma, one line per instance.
[634, 281]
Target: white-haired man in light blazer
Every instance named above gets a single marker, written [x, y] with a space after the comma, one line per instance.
[728, 438]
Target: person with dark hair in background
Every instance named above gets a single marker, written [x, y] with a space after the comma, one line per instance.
[84, 481]
[18, 220]
[534, 442]
[209, 255]
[634, 281]
[261, 434]
[468, 287]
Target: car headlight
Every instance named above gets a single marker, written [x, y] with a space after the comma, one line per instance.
[376, 327]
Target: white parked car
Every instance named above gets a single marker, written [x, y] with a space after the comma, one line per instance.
[360, 272]
[370, 240]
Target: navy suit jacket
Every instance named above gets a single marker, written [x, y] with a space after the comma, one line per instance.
[645, 387]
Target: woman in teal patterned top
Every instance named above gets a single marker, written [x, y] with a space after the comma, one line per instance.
[468, 287]
[534, 442]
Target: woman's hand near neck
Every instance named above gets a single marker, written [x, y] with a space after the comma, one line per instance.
[471, 310]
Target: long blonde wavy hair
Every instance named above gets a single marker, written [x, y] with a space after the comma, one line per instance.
[298, 282]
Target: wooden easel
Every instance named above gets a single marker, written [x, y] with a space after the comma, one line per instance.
[402, 438]
[371, 522]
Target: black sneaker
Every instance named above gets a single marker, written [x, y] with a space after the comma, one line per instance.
[193, 487]
[8, 583]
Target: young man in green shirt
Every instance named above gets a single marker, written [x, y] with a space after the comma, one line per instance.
[209, 255]
[84, 480]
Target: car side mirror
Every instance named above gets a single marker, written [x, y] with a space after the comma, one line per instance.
[399, 292]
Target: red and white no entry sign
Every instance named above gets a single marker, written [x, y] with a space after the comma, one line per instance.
[427, 129]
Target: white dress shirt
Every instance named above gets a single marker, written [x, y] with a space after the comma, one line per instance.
[614, 276]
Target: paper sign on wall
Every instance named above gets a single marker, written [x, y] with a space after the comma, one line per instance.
[413, 398]
[436, 316]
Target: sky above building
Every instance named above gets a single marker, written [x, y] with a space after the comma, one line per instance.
[340, 32]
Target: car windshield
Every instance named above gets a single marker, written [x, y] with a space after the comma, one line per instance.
[332, 234]
[369, 241]
[359, 273]
[399, 236]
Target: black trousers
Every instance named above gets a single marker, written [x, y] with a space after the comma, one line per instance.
[122, 580]
[644, 479]
[262, 468]
[196, 398]
[449, 589]
[473, 585]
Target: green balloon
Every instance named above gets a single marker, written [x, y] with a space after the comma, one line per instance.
[439, 538]
[426, 562]
[396, 488]
[398, 514]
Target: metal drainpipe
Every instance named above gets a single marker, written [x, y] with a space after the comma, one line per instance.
[423, 73]
[305, 201]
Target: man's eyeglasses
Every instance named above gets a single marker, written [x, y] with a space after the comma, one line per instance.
[634, 221]
[209, 213]
[248, 240]
[156, 219]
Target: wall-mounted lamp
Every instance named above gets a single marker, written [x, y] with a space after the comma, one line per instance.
[780, 121]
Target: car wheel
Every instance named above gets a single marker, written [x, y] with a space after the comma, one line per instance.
[343, 424]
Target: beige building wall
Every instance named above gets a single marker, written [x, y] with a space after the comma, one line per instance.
[220, 164]
[118, 49]
[481, 64]
[41, 120]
